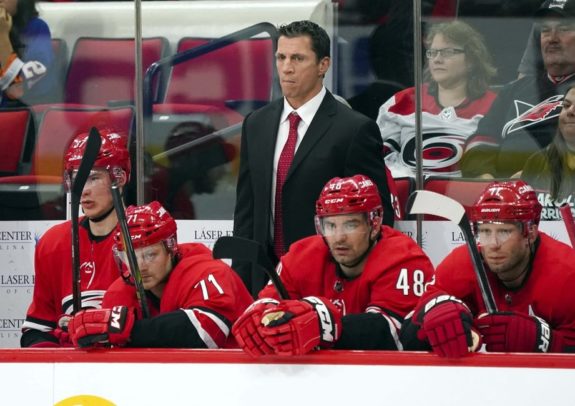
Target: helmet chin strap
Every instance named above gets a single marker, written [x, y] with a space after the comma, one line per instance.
[102, 217]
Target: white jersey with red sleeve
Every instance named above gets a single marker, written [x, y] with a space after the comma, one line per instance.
[546, 293]
[201, 300]
[445, 131]
[52, 297]
[395, 274]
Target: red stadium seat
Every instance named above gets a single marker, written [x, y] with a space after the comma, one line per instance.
[465, 190]
[102, 70]
[14, 126]
[404, 186]
[59, 65]
[239, 72]
[39, 194]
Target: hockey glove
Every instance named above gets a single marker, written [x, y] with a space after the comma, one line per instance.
[245, 329]
[102, 326]
[514, 332]
[447, 322]
[296, 327]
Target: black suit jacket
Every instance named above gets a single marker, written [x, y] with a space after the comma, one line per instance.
[339, 142]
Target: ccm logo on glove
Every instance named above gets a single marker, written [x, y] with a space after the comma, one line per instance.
[117, 319]
[327, 327]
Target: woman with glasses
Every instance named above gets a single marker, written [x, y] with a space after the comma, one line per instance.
[455, 96]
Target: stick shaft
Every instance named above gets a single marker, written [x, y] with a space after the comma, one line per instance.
[90, 155]
[132, 261]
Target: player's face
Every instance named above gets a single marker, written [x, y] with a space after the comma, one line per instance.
[505, 250]
[567, 119]
[300, 72]
[558, 46]
[155, 264]
[447, 70]
[96, 197]
[347, 236]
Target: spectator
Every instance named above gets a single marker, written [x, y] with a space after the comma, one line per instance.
[530, 274]
[52, 301]
[349, 286]
[523, 117]
[552, 171]
[454, 99]
[25, 55]
[191, 170]
[275, 198]
[193, 298]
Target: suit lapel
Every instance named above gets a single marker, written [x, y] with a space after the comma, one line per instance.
[318, 128]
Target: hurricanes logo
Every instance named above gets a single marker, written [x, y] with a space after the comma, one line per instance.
[85, 400]
[441, 152]
[529, 115]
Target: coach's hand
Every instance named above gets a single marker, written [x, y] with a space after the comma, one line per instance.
[447, 324]
[102, 326]
[296, 327]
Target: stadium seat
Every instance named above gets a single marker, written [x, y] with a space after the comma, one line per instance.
[60, 66]
[40, 191]
[404, 186]
[464, 190]
[238, 75]
[102, 70]
[14, 126]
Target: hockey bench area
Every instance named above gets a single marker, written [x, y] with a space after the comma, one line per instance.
[230, 377]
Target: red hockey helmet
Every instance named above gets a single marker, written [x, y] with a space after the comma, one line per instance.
[356, 194]
[113, 155]
[510, 201]
[149, 224]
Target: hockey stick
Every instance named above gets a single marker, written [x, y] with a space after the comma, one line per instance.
[79, 181]
[132, 261]
[427, 202]
[242, 249]
[568, 221]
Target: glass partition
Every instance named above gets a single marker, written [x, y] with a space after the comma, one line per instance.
[204, 65]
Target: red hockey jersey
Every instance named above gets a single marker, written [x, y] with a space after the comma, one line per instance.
[207, 290]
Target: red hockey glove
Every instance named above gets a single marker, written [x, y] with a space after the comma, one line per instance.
[514, 332]
[102, 326]
[296, 327]
[447, 325]
[245, 329]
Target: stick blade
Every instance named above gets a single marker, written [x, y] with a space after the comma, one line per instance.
[428, 202]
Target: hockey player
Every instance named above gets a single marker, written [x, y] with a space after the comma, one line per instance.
[531, 276]
[52, 298]
[193, 298]
[349, 287]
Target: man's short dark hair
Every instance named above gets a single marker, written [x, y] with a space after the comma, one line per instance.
[320, 43]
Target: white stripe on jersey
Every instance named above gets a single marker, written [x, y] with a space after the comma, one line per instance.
[204, 335]
[394, 324]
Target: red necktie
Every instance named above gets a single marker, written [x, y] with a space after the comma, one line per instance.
[286, 157]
